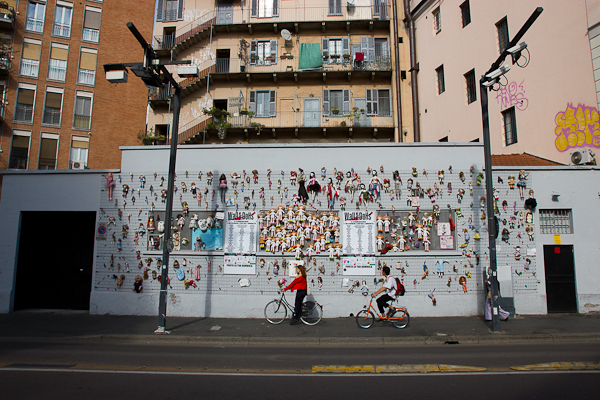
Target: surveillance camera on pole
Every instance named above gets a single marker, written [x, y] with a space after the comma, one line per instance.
[499, 72]
[515, 51]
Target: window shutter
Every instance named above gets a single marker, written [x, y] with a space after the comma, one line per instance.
[252, 102]
[254, 11]
[253, 51]
[345, 46]
[375, 101]
[325, 45]
[346, 104]
[369, 101]
[31, 51]
[159, 10]
[87, 61]
[364, 46]
[371, 48]
[58, 53]
[275, 8]
[92, 19]
[53, 100]
[26, 96]
[274, 51]
[180, 11]
[326, 102]
[273, 104]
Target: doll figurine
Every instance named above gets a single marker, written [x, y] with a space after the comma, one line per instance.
[110, 184]
[302, 194]
[137, 285]
[375, 186]
[331, 193]
[313, 186]
[209, 178]
[223, 186]
[150, 225]
[234, 179]
[522, 183]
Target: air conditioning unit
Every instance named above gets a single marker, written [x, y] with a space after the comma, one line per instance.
[78, 165]
[583, 157]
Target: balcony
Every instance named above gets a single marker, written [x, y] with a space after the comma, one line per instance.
[34, 25]
[51, 117]
[17, 162]
[81, 121]
[63, 30]
[7, 16]
[4, 66]
[23, 113]
[47, 163]
[291, 124]
[286, 16]
[86, 77]
[159, 96]
[90, 35]
[57, 70]
[30, 68]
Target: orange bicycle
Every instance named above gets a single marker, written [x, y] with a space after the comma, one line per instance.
[398, 317]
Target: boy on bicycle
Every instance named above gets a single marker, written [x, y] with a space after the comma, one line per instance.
[390, 286]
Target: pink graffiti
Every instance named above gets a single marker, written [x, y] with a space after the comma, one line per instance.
[577, 127]
[512, 94]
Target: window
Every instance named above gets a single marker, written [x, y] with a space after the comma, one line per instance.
[334, 49]
[471, 86]
[556, 221]
[82, 117]
[379, 103]
[36, 10]
[264, 8]
[510, 126]
[91, 24]
[441, 86]
[335, 7]
[336, 102]
[87, 66]
[169, 10]
[503, 41]
[19, 149]
[62, 19]
[262, 103]
[53, 106]
[465, 12]
[30, 58]
[57, 67]
[79, 152]
[263, 52]
[48, 148]
[437, 20]
[25, 102]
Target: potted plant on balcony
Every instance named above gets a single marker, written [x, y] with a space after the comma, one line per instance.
[290, 56]
[325, 55]
[219, 120]
[243, 54]
[346, 56]
[335, 56]
[335, 110]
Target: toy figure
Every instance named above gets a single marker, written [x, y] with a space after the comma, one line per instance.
[441, 176]
[150, 225]
[125, 190]
[137, 285]
[522, 184]
[255, 175]
[209, 178]
[375, 186]
[331, 193]
[313, 186]
[183, 187]
[223, 187]
[302, 194]
[511, 181]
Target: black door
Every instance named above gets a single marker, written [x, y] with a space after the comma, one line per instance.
[55, 260]
[561, 296]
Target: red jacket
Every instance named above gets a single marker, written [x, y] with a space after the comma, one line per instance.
[297, 284]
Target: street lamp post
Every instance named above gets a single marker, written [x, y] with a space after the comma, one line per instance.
[486, 83]
[154, 73]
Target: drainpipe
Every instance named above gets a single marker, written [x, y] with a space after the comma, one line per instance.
[208, 80]
[414, 68]
[397, 68]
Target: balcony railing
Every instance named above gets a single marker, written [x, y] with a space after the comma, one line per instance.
[51, 116]
[17, 162]
[91, 35]
[162, 93]
[24, 113]
[30, 67]
[279, 64]
[57, 70]
[300, 119]
[164, 42]
[81, 121]
[61, 29]
[47, 163]
[4, 64]
[35, 25]
[285, 13]
[86, 77]
[7, 16]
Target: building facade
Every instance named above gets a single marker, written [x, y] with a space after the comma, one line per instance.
[285, 71]
[59, 112]
[548, 108]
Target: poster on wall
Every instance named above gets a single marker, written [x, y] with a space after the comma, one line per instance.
[241, 232]
[209, 235]
[443, 229]
[446, 242]
[359, 265]
[239, 265]
[359, 232]
[292, 267]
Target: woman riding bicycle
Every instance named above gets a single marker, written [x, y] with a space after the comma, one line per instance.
[299, 284]
[390, 286]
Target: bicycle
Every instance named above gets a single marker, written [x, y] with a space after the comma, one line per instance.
[276, 311]
[365, 317]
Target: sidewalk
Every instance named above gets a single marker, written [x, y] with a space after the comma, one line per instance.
[80, 326]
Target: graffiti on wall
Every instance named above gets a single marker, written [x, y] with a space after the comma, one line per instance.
[511, 95]
[192, 15]
[577, 127]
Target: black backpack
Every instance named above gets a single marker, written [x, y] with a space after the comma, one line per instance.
[399, 287]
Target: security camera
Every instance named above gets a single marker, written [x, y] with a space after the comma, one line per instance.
[489, 83]
[499, 72]
[515, 49]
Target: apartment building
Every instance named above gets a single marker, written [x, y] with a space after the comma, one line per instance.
[284, 71]
[58, 110]
[546, 104]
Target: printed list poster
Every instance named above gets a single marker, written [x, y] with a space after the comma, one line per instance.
[359, 233]
[241, 232]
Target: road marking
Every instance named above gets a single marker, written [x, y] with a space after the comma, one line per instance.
[394, 368]
[559, 366]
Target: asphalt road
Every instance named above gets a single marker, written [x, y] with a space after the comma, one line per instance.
[32, 369]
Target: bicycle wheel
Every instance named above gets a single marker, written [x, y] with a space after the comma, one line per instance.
[312, 312]
[365, 319]
[275, 312]
[400, 321]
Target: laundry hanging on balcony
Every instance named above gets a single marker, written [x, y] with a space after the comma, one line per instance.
[310, 56]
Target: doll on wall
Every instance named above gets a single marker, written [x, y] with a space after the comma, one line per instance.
[110, 184]
[313, 186]
[137, 285]
[375, 186]
[302, 194]
[223, 186]
[522, 183]
[331, 193]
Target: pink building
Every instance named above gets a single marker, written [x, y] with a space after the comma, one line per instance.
[548, 108]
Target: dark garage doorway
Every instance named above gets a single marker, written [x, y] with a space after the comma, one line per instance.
[561, 296]
[54, 265]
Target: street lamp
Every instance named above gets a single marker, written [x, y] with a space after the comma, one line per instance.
[154, 73]
[488, 82]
